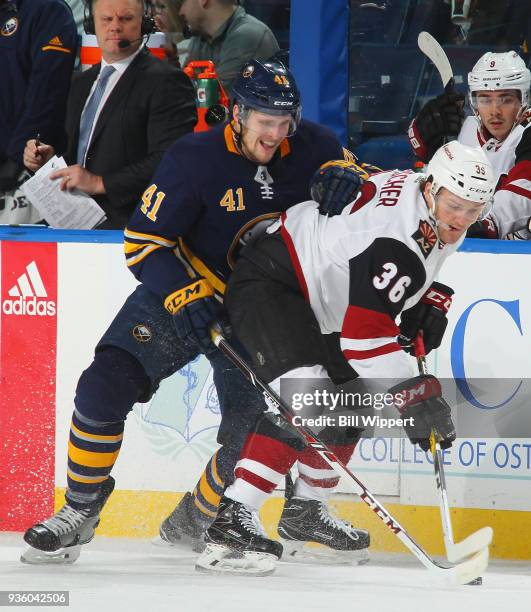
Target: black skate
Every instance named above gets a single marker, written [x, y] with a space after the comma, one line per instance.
[59, 538]
[237, 544]
[306, 521]
[183, 527]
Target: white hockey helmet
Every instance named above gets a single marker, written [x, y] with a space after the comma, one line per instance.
[463, 170]
[495, 71]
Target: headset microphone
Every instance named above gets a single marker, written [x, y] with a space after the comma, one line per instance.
[125, 42]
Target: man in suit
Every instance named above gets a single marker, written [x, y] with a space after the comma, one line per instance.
[121, 116]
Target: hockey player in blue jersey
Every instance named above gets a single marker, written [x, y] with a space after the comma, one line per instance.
[209, 192]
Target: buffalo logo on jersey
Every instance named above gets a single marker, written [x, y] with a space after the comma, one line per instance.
[142, 333]
[9, 27]
[425, 237]
[248, 72]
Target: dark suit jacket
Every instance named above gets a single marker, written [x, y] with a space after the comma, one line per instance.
[151, 106]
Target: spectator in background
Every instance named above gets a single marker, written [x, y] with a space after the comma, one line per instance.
[78, 10]
[37, 50]
[167, 20]
[223, 32]
[122, 115]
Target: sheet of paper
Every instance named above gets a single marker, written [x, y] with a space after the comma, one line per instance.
[61, 209]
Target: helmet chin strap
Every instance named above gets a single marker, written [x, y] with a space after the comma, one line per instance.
[437, 222]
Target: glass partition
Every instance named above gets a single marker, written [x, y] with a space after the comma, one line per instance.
[390, 79]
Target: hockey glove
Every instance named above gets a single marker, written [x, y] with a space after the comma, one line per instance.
[486, 228]
[195, 311]
[428, 316]
[420, 399]
[439, 119]
[336, 184]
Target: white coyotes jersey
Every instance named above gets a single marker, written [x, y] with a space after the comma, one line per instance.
[512, 201]
[360, 269]
[500, 154]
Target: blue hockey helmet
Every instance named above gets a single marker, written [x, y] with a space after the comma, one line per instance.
[268, 87]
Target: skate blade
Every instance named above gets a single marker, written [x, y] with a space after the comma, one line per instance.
[62, 556]
[313, 553]
[218, 559]
[185, 544]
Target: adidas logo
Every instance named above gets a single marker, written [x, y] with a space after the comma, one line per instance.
[56, 41]
[28, 295]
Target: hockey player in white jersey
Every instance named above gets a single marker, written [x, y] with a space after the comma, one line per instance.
[351, 274]
[499, 97]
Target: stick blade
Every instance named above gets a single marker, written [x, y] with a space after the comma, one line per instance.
[471, 569]
[470, 545]
[433, 50]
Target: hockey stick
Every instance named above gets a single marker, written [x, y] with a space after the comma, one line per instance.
[433, 50]
[461, 573]
[475, 542]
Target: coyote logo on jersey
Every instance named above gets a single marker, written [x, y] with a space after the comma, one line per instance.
[425, 237]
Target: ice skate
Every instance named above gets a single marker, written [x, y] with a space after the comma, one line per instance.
[58, 540]
[309, 533]
[237, 544]
[183, 528]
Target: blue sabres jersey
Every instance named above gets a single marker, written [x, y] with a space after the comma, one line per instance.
[205, 194]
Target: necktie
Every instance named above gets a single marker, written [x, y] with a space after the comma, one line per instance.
[87, 118]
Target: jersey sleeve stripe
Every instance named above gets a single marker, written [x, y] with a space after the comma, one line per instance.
[294, 259]
[526, 193]
[131, 247]
[364, 324]
[365, 344]
[200, 267]
[149, 238]
[391, 347]
[131, 261]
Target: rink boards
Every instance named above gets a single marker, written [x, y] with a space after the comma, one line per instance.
[60, 290]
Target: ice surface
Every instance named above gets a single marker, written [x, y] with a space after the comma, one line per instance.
[115, 574]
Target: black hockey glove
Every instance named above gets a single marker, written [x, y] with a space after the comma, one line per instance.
[428, 316]
[420, 399]
[195, 311]
[439, 119]
[486, 228]
[336, 184]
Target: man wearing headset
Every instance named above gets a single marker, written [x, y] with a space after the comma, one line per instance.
[122, 114]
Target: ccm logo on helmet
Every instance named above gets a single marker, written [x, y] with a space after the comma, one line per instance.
[279, 103]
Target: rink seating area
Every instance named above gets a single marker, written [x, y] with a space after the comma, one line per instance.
[390, 79]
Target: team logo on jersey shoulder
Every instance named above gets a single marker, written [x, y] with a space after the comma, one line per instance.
[142, 333]
[9, 27]
[425, 237]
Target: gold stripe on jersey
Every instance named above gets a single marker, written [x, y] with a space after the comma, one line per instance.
[199, 267]
[207, 492]
[137, 246]
[83, 435]
[146, 250]
[91, 459]
[229, 139]
[215, 473]
[149, 238]
[349, 156]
